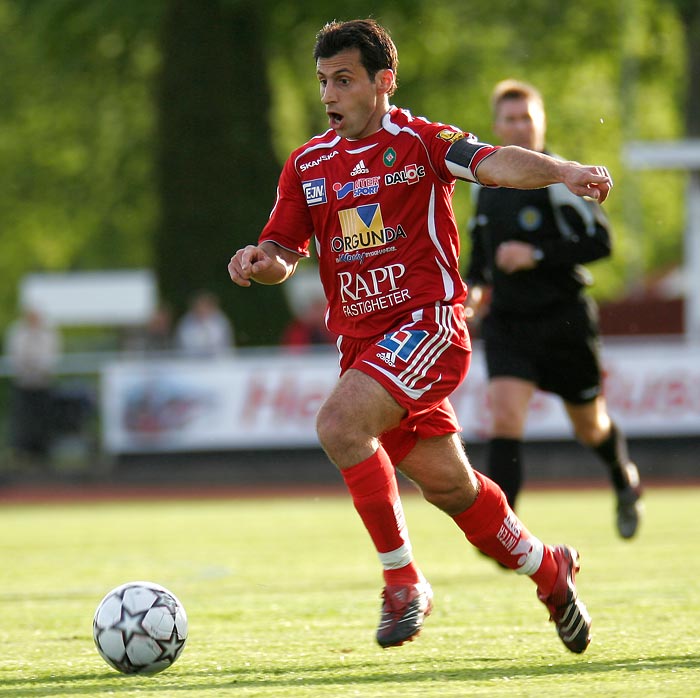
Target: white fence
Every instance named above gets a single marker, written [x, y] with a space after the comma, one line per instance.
[269, 400]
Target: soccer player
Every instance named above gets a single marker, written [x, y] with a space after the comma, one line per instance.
[541, 329]
[374, 194]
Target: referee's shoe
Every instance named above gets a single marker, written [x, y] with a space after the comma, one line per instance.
[629, 505]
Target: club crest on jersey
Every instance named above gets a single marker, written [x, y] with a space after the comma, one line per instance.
[389, 157]
[315, 191]
[449, 135]
[363, 228]
[530, 218]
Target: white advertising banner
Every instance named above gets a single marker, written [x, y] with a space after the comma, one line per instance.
[270, 400]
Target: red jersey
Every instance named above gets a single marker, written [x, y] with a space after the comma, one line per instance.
[380, 212]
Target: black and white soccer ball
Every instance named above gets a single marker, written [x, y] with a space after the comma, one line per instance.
[140, 628]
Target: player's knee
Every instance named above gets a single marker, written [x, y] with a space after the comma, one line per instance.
[327, 426]
[590, 436]
[592, 432]
[452, 499]
[507, 418]
[508, 424]
[335, 429]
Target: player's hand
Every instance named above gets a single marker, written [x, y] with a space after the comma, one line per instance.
[248, 262]
[474, 303]
[593, 181]
[513, 256]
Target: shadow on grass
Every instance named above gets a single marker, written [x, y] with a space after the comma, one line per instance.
[367, 674]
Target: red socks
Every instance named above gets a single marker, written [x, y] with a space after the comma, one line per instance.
[375, 494]
[489, 524]
[492, 526]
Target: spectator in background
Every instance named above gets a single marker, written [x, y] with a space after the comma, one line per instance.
[204, 330]
[308, 328]
[33, 347]
[157, 335]
[307, 302]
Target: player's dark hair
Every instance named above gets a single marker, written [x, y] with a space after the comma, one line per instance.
[377, 50]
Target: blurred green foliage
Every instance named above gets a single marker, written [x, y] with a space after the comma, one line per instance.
[76, 130]
[79, 120]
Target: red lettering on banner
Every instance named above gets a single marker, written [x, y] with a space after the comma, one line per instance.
[282, 402]
[663, 394]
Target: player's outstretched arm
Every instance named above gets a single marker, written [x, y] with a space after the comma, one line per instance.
[266, 263]
[519, 168]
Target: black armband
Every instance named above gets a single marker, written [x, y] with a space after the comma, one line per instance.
[465, 155]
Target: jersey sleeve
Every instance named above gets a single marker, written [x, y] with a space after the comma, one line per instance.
[476, 274]
[464, 156]
[290, 225]
[584, 229]
[455, 154]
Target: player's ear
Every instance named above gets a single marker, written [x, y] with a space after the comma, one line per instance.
[385, 81]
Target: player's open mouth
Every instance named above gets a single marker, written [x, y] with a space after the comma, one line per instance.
[335, 120]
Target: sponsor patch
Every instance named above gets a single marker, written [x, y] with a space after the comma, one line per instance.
[363, 228]
[365, 186]
[321, 158]
[315, 191]
[409, 175]
[362, 221]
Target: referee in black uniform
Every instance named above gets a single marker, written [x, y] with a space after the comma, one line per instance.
[541, 329]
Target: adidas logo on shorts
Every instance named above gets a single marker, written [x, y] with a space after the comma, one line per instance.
[387, 357]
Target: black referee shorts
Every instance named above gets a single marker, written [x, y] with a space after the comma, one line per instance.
[559, 351]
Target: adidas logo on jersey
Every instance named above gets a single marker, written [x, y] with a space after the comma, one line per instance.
[359, 169]
[387, 357]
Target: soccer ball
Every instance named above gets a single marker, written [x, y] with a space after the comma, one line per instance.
[140, 628]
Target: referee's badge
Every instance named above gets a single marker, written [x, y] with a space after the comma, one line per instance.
[529, 218]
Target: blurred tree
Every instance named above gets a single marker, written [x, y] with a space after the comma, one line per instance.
[689, 13]
[216, 169]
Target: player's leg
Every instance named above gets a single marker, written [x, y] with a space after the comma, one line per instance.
[594, 428]
[368, 425]
[478, 506]
[512, 346]
[573, 370]
[508, 399]
[440, 468]
[348, 423]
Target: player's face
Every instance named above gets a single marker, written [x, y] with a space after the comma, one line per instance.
[354, 103]
[520, 122]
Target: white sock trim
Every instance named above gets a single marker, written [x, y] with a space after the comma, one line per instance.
[529, 561]
[396, 559]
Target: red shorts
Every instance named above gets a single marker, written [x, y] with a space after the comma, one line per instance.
[420, 364]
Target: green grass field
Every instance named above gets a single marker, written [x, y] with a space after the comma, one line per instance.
[283, 597]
